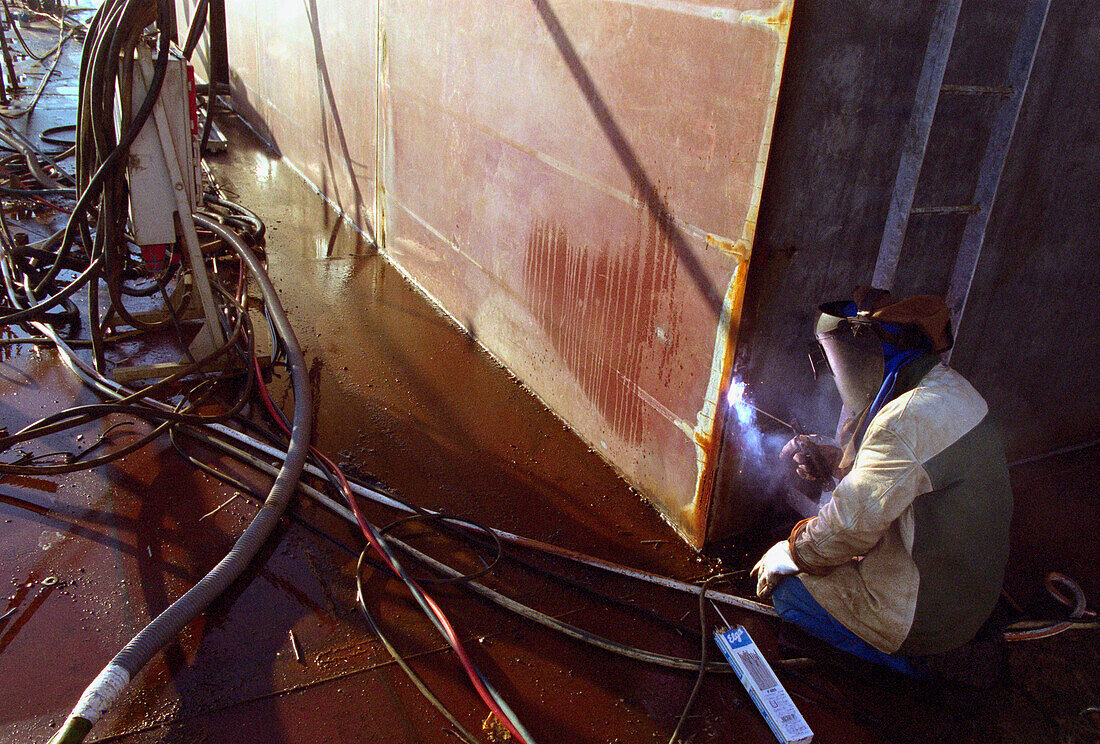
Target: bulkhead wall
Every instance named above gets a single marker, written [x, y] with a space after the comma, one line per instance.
[575, 183]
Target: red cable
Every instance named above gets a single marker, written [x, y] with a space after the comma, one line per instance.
[36, 197]
[452, 636]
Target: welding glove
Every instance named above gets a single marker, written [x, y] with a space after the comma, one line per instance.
[815, 457]
[775, 563]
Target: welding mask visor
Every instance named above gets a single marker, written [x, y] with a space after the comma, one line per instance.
[854, 351]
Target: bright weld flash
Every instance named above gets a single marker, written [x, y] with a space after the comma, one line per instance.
[736, 393]
[736, 398]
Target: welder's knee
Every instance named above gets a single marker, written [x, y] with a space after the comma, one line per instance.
[792, 600]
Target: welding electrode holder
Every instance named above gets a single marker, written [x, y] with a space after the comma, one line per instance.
[815, 458]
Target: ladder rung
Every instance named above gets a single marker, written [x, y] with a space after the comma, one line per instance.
[978, 90]
[958, 209]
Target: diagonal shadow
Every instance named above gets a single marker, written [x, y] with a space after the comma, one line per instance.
[330, 100]
[615, 135]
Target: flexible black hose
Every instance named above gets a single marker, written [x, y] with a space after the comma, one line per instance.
[30, 156]
[194, 33]
[89, 188]
[162, 630]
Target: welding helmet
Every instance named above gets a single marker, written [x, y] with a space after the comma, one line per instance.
[860, 336]
[853, 351]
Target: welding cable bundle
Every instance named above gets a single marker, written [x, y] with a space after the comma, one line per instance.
[66, 30]
[115, 30]
[95, 248]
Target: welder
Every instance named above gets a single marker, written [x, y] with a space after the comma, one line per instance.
[904, 563]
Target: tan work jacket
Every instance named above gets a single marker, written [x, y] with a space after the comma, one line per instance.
[909, 553]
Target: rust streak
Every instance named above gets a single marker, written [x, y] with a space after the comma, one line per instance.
[777, 19]
[738, 249]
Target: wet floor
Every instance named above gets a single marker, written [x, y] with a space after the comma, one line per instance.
[406, 399]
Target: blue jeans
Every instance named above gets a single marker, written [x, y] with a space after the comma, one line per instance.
[796, 605]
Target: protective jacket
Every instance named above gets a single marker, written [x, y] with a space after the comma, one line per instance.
[910, 552]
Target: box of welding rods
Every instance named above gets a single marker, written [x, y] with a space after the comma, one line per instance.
[763, 687]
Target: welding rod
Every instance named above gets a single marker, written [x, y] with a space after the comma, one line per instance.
[776, 419]
[295, 647]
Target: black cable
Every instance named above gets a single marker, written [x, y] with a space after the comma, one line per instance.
[245, 489]
[440, 517]
[194, 32]
[704, 630]
[254, 495]
[603, 597]
[231, 449]
[90, 184]
[23, 42]
[47, 135]
[400, 660]
[80, 415]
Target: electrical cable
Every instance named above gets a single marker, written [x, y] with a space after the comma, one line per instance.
[92, 170]
[1080, 616]
[30, 157]
[55, 52]
[431, 609]
[669, 662]
[195, 30]
[47, 135]
[384, 498]
[23, 42]
[28, 147]
[38, 92]
[387, 499]
[258, 228]
[400, 660]
[704, 632]
[47, 425]
[360, 597]
[486, 567]
[101, 694]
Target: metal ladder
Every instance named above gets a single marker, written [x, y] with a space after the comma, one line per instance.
[930, 88]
